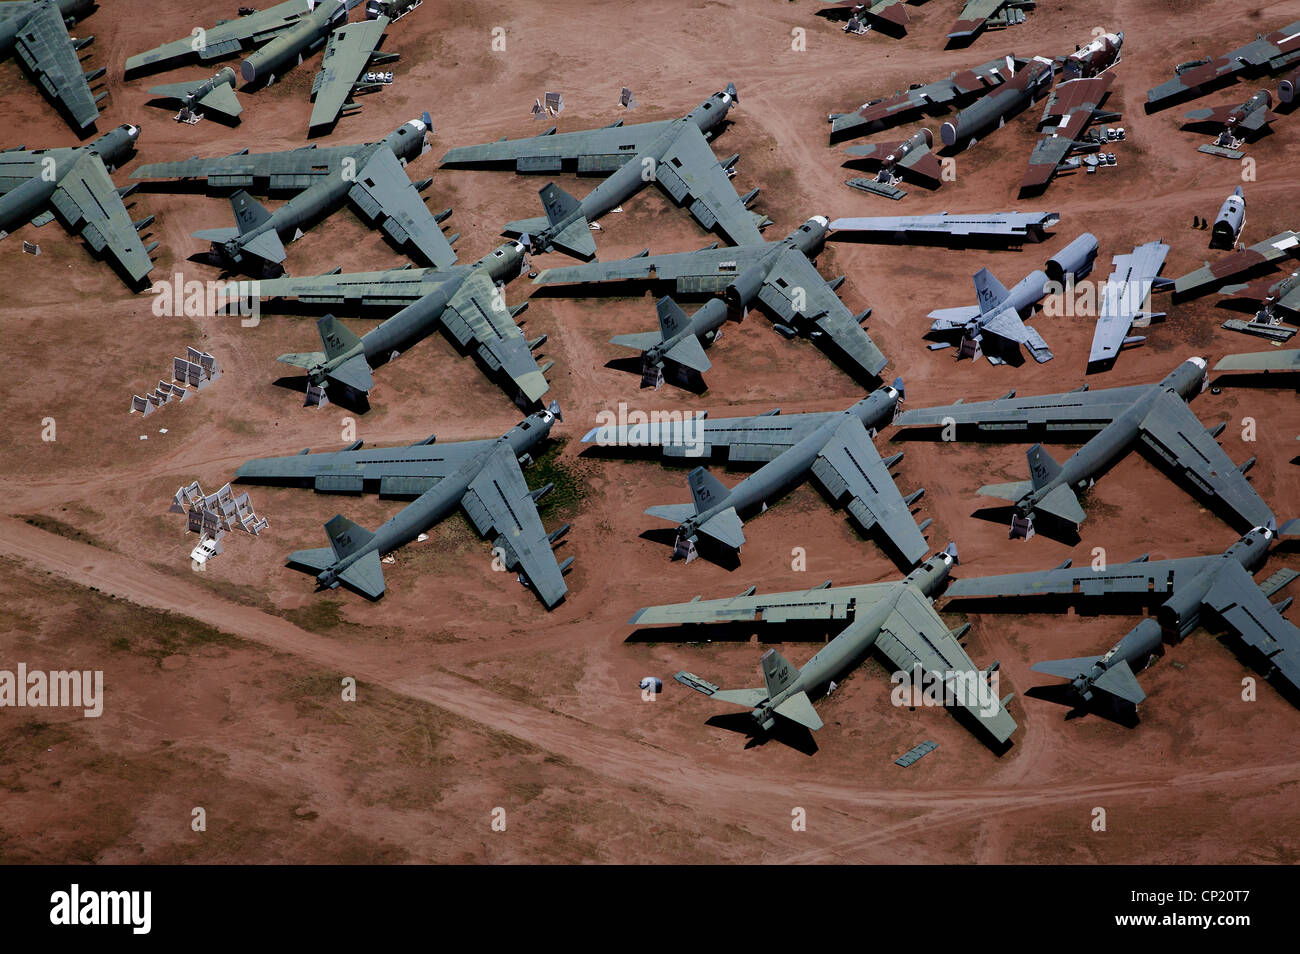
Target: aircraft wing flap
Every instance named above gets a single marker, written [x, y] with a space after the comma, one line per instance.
[796, 293]
[1239, 602]
[341, 468]
[1173, 432]
[383, 192]
[849, 465]
[916, 640]
[42, 44]
[498, 502]
[88, 201]
[808, 605]
[477, 315]
[689, 170]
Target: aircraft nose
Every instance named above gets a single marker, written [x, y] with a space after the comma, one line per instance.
[133, 131]
[821, 220]
[1199, 362]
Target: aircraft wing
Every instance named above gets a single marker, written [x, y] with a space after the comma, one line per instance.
[1072, 411]
[820, 603]
[43, 46]
[1069, 112]
[1272, 53]
[798, 295]
[595, 150]
[914, 635]
[757, 439]
[971, 20]
[1211, 114]
[692, 175]
[1241, 604]
[1212, 275]
[222, 39]
[394, 287]
[1154, 578]
[346, 55]
[87, 201]
[403, 471]
[849, 465]
[709, 270]
[291, 169]
[498, 502]
[1006, 324]
[1127, 289]
[477, 317]
[896, 108]
[1176, 436]
[1258, 119]
[383, 192]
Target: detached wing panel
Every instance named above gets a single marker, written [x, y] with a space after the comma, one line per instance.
[87, 201]
[383, 193]
[1074, 411]
[42, 44]
[849, 465]
[1180, 440]
[837, 603]
[498, 502]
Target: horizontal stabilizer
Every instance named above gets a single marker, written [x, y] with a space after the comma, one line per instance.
[1066, 668]
[725, 528]
[1119, 681]
[1012, 491]
[1062, 504]
[689, 353]
[677, 513]
[798, 708]
[306, 359]
[741, 697]
[355, 373]
[314, 561]
[366, 576]
[641, 342]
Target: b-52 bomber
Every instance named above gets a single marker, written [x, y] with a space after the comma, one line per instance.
[352, 49]
[467, 302]
[1238, 123]
[887, 16]
[835, 447]
[1264, 55]
[73, 185]
[955, 89]
[214, 96]
[672, 153]
[1186, 592]
[36, 31]
[1072, 107]
[781, 275]
[898, 619]
[1153, 416]
[482, 477]
[678, 346]
[369, 175]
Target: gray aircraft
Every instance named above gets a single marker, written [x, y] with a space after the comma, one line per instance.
[73, 185]
[482, 477]
[994, 326]
[909, 157]
[369, 175]
[36, 32]
[352, 49]
[979, 15]
[1154, 416]
[898, 619]
[1186, 593]
[948, 227]
[1276, 366]
[781, 275]
[1269, 54]
[1275, 298]
[956, 88]
[214, 96]
[835, 447]
[468, 304]
[678, 346]
[1125, 300]
[991, 112]
[296, 42]
[672, 153]
[1282, 246]
[1237, 123]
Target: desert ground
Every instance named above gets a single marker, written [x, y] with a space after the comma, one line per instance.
[224, 689]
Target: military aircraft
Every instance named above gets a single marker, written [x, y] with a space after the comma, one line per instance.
[352, 49]
[1125, 296]
[1154, 416]
[1072, 107]
[1238, 123]
[910, 157]
[980, 15]
[673, 153]
[214, 96]
[1095, 58]
[898, 619]
[1268, 366]
[1274, 297]
[781, 275]
[886, 16]
[468, 304]
[948, 227]
[37, 32]
[834, 447]
[1264, 55]
[73, 184]
[370, 175]
[677, 348]
[957, 88]
[990, 112]
[282, 35]
[482, 477]
[1284, 245]
[1186, 593]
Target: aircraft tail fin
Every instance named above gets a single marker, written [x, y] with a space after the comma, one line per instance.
[989, 292]
[671, 317]
[706, 490]
[336, 337]
[799, 708]
[249, 213]
[569, 229]
[1043, 468]
[345, 536]
[778, 673]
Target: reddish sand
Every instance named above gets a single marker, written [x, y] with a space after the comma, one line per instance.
[472, 696]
